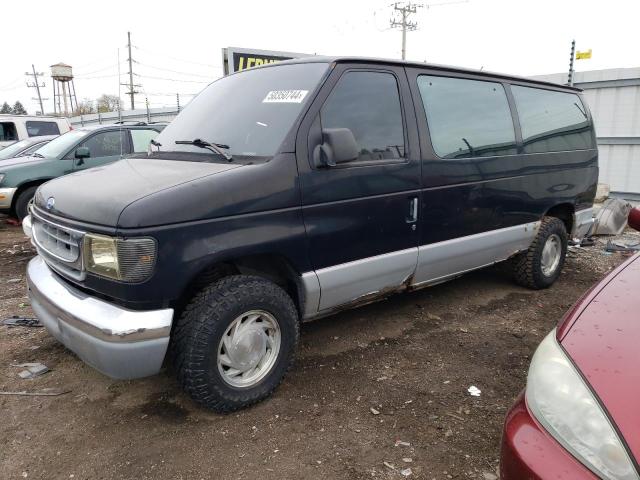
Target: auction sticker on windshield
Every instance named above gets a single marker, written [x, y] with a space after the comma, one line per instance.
[285, 96]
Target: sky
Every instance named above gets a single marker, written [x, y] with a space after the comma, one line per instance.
[177, 45]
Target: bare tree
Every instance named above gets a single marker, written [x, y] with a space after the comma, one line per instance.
[108, 103]
[85, 107]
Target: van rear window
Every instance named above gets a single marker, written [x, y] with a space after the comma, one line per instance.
[467, 118]
[39, 128]
[552, 121]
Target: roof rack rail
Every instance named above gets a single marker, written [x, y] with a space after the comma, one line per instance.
[130, 122]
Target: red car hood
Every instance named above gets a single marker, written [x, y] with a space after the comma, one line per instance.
[602, 336]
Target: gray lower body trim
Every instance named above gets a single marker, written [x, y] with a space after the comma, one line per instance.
[351, 281]
[311, 287]
[364, 280]
[582, 223]
[439, 261]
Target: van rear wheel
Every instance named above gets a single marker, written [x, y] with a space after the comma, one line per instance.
[540, 266]
[235, 341]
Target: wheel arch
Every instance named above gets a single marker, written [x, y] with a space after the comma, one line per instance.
[565, 212]
[23, 186]
[274, 267]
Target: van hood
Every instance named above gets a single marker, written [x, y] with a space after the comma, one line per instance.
[603, 343]
[99, 195]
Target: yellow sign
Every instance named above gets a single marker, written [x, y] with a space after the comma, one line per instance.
[583, 55]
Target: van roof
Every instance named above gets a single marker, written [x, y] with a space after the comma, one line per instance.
[432, 66]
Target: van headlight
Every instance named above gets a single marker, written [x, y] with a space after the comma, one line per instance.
[562, 402]
[128, 260]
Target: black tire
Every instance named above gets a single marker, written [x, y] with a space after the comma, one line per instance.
[527, 266]
[198, 333]
[22, 202]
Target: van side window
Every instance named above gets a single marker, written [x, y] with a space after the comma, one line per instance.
[8, 132]
[467, 118]
[368, 103]
[38, 128]
[552, 121]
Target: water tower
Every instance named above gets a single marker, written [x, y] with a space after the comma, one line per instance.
[63, 88]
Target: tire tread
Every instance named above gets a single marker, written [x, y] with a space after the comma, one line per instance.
[208, 308]
[527, 265]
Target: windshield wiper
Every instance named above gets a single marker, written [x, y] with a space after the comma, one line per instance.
[36, 154]
[214, 147]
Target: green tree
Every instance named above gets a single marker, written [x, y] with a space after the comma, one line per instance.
[18, 109]
[5, 108]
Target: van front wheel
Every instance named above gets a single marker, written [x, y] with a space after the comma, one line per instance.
[540, 266]
[235, 341]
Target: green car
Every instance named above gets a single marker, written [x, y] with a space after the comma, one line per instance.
[76, 150]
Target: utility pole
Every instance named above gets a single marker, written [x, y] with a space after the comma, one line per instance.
[178, 101]
[407, 9]
[571, 59]
[131, 85]
[146, 102]
[403, 22]
[37, 85]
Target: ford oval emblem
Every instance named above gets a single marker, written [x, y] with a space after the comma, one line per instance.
[50, 203]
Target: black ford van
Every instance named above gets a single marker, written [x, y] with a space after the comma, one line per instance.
[288, 192]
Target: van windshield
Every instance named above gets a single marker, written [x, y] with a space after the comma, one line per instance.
[247, 114]
[60, 145]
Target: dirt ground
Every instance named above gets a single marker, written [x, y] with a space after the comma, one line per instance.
[411, 358]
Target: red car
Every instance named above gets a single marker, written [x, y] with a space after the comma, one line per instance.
[579, 417]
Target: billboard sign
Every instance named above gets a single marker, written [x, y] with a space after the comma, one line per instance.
[236, 59]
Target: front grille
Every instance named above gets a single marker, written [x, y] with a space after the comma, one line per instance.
[57, 242]
[60, 246]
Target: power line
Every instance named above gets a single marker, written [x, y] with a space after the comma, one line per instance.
[174, 79]
[115, 65]
[98, 77]
[7, 86]
[173, 71]
[175, 58]
[171, 94]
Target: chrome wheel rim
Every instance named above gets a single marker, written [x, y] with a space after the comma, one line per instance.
[249, 348]
[551, 254]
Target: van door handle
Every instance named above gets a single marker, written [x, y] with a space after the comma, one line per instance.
[413, 210]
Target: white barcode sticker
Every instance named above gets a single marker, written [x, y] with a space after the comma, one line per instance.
[285, 96]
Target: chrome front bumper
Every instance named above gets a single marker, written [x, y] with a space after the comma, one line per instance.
[6, 197]
[118, 342]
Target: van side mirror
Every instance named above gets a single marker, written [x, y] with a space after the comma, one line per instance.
[82, 153]
[338, 146]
